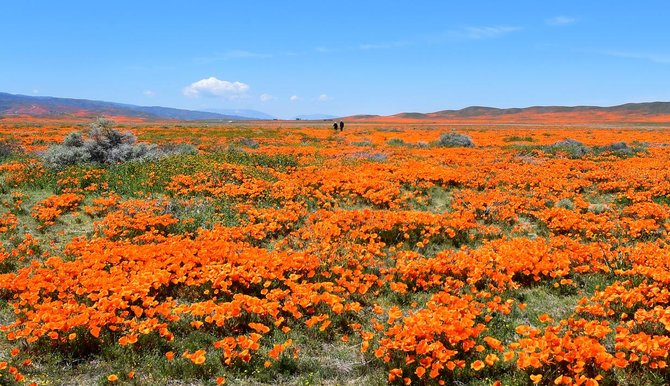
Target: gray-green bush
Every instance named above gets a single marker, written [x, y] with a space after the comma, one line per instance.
[397, 142]
[178, 148]
[455, 139]
[248, 142]
[573, 148]
[7, 148]
[105, 145]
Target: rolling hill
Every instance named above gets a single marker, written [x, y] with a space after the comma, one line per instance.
[43, 106]
[13, 105]
[246, 113]
[649, 112]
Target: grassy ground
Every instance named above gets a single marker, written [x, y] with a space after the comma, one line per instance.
[332, 356]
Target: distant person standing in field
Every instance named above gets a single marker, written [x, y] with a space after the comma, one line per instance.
[341, 126]
[335, 126]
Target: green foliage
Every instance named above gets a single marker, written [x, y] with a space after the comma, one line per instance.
[60, 156]
[105, 145]
[364, 142]
[397, 142]
[565, 203]
[517, 138]
[248, 142]
[371, 156]
[621, 149]
[455, 139]
[8, 148]
[576, 150]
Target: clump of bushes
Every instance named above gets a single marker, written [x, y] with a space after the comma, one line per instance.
[455, 139]
[105, 145]
[619, 146]
[248, 142]
[452, 139]
[574, 148]
[565, 203]
[397, 142]
[7, 148]
[364, 142]
[635, 148]
[371, 156]
[390, 129]
[621, 149]
[517, 138]
[177, 148]
[598, 208]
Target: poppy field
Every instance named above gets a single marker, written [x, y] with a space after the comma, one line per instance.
[289, 254]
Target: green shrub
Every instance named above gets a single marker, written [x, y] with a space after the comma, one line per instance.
[565, 203]
[7, 148]
[455, 139]
[364, 142]
[371, 156]
[517, 138]
[621, 149]
[178, 148]
[248, 142]
[396, 142]
[105, 145]
[574, 149]
[59, 156]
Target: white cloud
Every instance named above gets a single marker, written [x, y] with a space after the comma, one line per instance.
[383, 46]
[650, 57]
[487, 32]
[267, 97]
[232, 55]
[241, 54]
[324, 98]
[294, 98]
[149, 93]
[560, 20]
[213, 87]
[451, 35]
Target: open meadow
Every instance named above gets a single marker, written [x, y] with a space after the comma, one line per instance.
[288, 253]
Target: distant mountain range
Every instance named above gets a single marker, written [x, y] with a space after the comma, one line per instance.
[249, 114]
[40, 106]
[314, 117]
[648, 112]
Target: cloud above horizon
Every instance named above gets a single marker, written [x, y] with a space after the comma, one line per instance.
[232, 55]
[294, 98]
[266, 97]
[324, 98]
[646, 56]
[381, 46]
[560, 20]
[478, 33]
[456, 34]
[213, 87]
[241, 54]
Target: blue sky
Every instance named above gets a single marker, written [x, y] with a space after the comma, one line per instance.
[337, 57]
